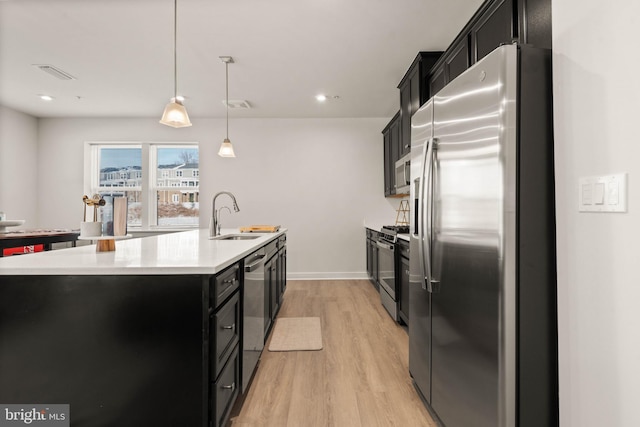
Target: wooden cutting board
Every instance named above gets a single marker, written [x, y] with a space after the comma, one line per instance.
[260, 229]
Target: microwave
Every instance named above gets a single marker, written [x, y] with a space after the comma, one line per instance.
[403, 174]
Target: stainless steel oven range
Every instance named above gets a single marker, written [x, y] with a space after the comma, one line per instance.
[387, 239]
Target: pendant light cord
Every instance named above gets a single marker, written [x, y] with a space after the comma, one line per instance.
[175, 50]
[226, 67]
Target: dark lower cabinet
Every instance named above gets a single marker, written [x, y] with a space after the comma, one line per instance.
[224, 390]
[121, 350]
[281, 270]
[272, 286]
[224, 337]
[272, 268]
[372, 257]
[402, 273]
[224, 333]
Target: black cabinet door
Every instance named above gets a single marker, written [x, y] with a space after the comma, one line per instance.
[386, 138]
[437, 81]
[374, 263]
[458, 60]
[369, 255]
[496, 26]
[496, 22]
[409, 102]
[403, 276]
[429, 59]
[273, 287]
[396, 149]
[391, 141]
[267, 298]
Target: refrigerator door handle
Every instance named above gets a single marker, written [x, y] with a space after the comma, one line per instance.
[419, 216]
[425, 216]
[434, 283]
[428, 215]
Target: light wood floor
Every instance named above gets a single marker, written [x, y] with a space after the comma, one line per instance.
[359, 378]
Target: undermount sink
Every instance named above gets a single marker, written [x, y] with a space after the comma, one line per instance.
[235, 237]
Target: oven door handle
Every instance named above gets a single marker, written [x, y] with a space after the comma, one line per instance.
[382, 245]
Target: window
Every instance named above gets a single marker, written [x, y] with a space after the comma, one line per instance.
[150, 176]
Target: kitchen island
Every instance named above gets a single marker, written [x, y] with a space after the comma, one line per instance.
[149, 334]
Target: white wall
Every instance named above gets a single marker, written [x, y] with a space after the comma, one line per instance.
[596, 95]
[320, 178]
[18, 167]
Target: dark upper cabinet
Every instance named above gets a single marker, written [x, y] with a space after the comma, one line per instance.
[458, 60]
[495, 23]
[494, 27]
[391, 141]
[405, 112]
[437, 80]
[414, 91]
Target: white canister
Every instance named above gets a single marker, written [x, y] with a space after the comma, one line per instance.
[91, 229]
[3, 216]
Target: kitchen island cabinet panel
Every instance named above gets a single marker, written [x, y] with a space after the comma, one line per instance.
[225, 332]
[225, 390]
[148, 335]
[120, 350]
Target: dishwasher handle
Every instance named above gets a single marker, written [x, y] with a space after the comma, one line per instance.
[254, 265]
[386, 246]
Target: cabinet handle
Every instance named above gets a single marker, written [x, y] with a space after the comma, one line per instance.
[229, 387]
[230, 327]
[230, 281]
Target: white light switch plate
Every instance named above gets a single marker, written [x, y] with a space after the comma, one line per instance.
[607, 193]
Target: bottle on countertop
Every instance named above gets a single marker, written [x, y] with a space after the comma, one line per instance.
[3, 217]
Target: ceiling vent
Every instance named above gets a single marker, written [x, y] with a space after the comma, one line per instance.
[237, 104]
[55, 72]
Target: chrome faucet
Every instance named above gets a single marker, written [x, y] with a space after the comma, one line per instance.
[214, 223]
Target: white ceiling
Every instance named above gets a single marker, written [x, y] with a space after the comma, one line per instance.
[285, 52]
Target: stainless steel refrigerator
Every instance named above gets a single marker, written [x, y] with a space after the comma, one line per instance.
[483, 322]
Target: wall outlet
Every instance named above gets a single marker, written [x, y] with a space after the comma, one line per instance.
[606, 193]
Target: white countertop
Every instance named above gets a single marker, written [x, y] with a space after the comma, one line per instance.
[187, 252]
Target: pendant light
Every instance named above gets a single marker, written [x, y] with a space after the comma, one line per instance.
[226, 149]
[175, 115]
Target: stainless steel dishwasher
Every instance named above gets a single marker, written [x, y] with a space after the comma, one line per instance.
[253, 316]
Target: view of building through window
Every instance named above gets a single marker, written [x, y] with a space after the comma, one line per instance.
[173, 179]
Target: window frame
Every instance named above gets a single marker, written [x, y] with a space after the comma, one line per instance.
[149, 185]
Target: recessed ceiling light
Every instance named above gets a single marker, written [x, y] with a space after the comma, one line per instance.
[321, 98]
[46, 97]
